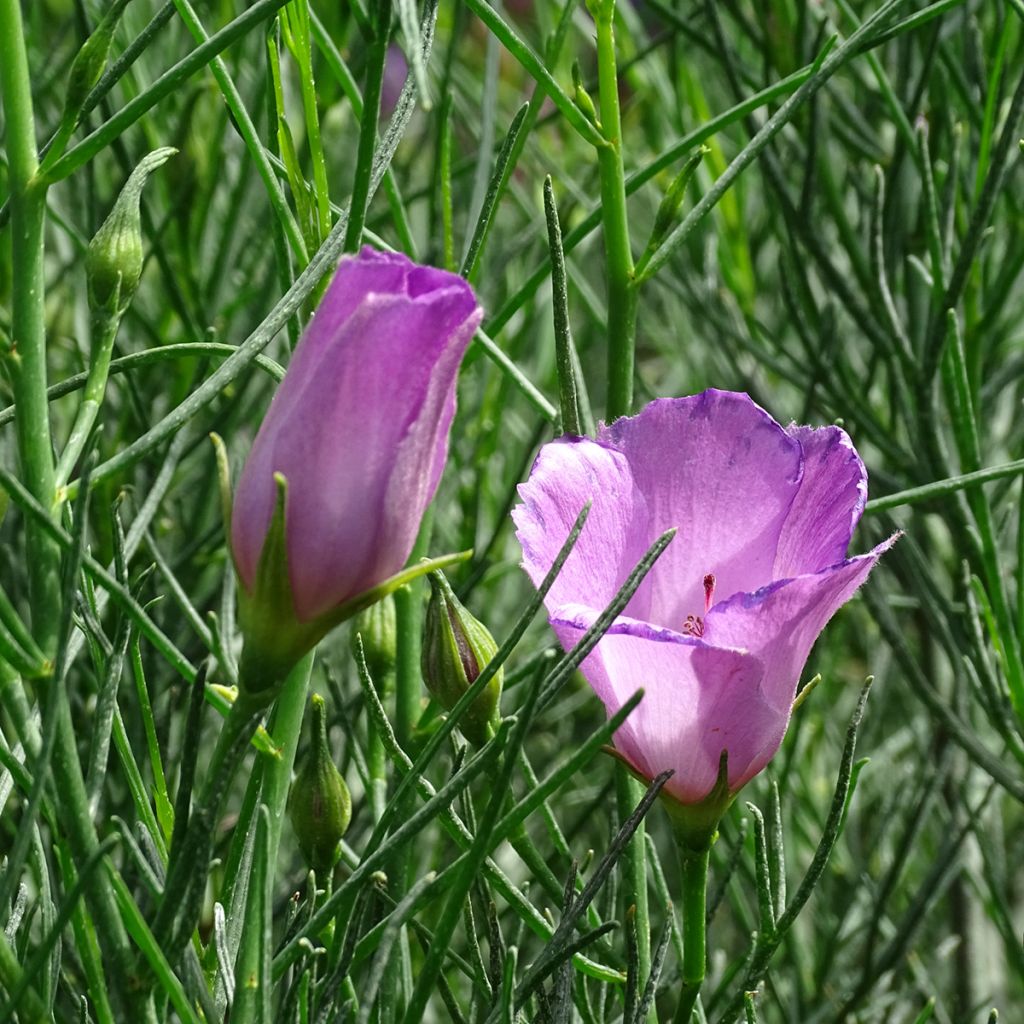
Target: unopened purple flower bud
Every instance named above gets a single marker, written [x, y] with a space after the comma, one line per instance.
[348, 457]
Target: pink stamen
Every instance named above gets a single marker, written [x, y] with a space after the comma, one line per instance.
[693, 626]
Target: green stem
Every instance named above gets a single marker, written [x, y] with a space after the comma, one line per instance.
[272, 779]
[629, 793]
[191, 849]
[26, 364]
[409, 631]
[376, 756]
[694, 872]
[77, 823]
[26, 361]
[618, 253]
[105, 331]
[285, 730]
[368, 126]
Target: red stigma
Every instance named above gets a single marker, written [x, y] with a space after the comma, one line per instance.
[709, 591]
[694, 624]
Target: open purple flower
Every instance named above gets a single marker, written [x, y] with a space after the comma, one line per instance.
[720, 629]
[358, 430]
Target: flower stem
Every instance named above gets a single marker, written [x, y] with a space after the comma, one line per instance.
[618, 254]
[26, 366]
[104, 332]
[368, 126]
[629, 793]
[272, 778]
[694, 873]
[26, 360]
[192, 843]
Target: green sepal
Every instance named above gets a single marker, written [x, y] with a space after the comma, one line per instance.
[356, 604]
[275, 637]
[696, 825]
[668, 209]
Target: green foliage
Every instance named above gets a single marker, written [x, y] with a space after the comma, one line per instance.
[823, 204]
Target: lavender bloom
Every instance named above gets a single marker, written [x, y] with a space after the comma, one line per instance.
[719, 631]
[359, 430]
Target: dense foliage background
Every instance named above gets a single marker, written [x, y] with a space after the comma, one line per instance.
[861, 179]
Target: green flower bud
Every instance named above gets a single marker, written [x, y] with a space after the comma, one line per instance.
[668, 210]
[86, 70]
[319, 805]
[581, 97]
[376, 625]
[113, 263]
[456, 647]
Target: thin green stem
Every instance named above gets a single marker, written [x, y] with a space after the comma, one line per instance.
[694, 879]
[166, 84]
[536, 68]
[11, 975]
[368, 127]
[272, 778]
[26, 365]
[105, 331]
[250, 136]
[942, 488]
[629, 793]
[191, 847]
[26, 360]
[618, 253]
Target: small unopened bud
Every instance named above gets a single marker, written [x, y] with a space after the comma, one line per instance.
[668, 210]
[86, 70]
[580, 95]
[377, 627]
[319, 806]
[456, 648]
[113, 263]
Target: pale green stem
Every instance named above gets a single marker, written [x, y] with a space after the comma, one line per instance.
[26, 364]
[629, 793]
[105, 331]
[694, 871]
[618, 253]
[273, 777]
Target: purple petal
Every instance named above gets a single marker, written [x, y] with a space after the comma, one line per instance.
[566, 475]
[828, 505]
[779, 623]
[698, 701]
[722, 471]
[359, 427]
